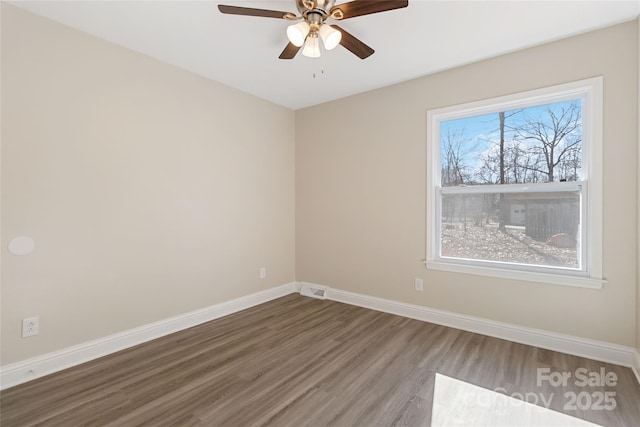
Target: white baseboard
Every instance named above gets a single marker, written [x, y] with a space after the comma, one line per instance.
[636, 364]
[26, 370]
[597, 350]
[23, 371]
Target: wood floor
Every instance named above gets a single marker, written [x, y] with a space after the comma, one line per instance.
[298, 361]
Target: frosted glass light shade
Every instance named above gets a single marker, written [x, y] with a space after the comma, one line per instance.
[330, 36]
[297, 33]
[311, 47]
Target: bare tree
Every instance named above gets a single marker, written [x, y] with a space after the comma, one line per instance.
[568, 169]
[488, 170]
[543, 149]
[555, 141]
[454, 150]
[502, 119]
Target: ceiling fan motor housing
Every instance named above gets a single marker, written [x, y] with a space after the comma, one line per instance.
[320, 7]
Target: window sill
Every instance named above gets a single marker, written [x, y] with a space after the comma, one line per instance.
[530, 276]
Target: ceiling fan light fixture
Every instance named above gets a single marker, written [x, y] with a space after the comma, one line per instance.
[330, 36]
[312, 47]
[297, 33]
[313, 14]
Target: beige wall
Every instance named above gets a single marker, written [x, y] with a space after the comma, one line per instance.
[360, 190]
[149, 191]
[149, 195]
[638, 201]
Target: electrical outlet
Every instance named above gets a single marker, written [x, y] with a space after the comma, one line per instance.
[30, 327]
[263, 272]
[419, 283]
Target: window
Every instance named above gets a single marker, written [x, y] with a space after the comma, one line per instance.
[514, 186]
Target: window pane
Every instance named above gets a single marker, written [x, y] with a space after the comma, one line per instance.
[533, 144]
[541, 229]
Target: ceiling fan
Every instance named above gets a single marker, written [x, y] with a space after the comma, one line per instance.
[312, 25]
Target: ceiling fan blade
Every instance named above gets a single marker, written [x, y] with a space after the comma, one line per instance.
[289, 51]
[366, 7]
[353, 44]
[248, 11]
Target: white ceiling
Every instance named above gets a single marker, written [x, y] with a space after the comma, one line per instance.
[242, 51]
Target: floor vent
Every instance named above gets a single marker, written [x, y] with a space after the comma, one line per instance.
[313, 292]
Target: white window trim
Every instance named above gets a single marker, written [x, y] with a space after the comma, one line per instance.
[591, 91]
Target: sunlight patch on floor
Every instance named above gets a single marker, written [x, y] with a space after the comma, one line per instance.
[457, 403]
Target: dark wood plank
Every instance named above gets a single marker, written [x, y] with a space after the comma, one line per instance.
[298, 361]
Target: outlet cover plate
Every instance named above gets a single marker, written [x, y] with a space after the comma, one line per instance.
[30, 327]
